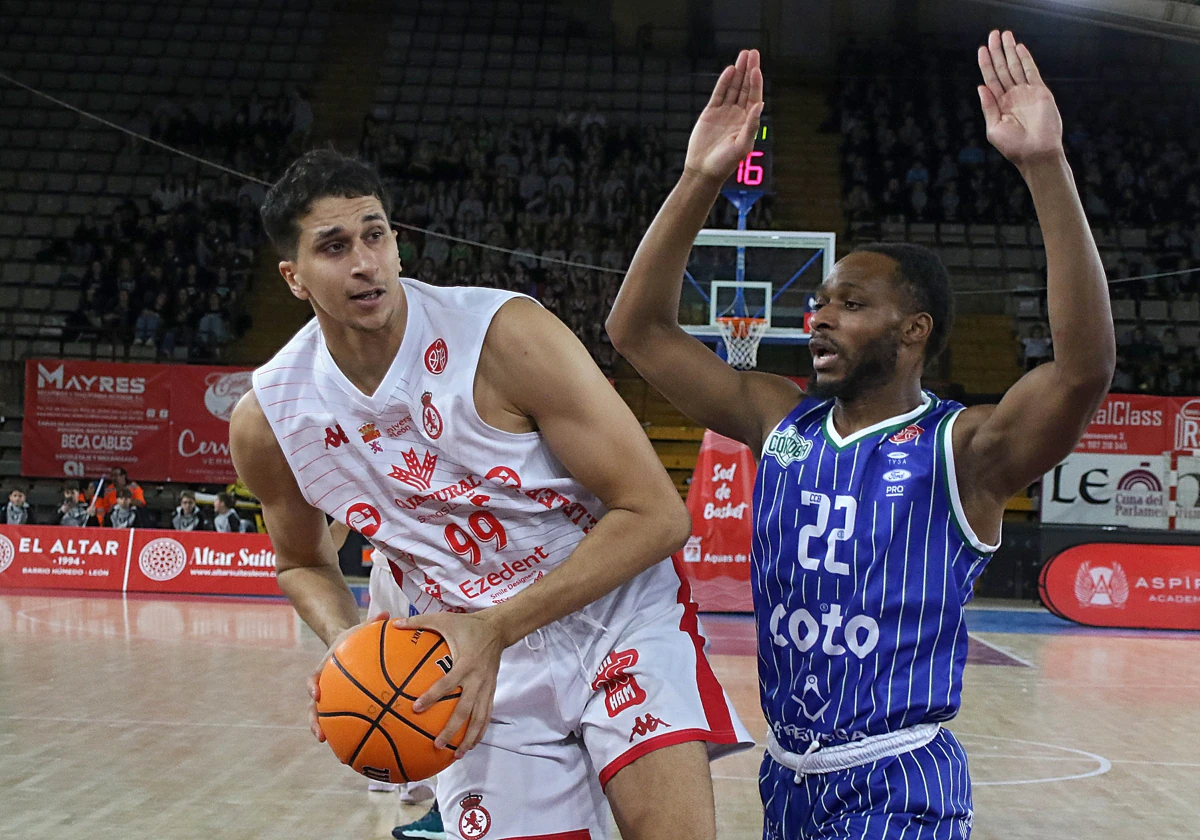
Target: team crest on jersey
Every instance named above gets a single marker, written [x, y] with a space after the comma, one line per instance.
[435, 357]
[621, 689]
[907, 435]
[788, 446]
[416, 472]
[431, 418]
[475, 820]
[817, 702]
[370, 435]
[504, 475]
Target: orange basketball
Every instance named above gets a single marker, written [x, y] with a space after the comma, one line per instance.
[367, 690]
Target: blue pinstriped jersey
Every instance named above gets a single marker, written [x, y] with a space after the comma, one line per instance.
[862, 563]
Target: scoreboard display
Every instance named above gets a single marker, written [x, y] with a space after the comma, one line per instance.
[755, 171]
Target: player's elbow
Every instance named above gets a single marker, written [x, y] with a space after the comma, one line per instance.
[675, 524]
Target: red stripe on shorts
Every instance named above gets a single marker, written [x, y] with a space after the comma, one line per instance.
[711, 694]
[648, 746]
[578, 834]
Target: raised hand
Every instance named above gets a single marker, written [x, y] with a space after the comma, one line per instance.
[724, 133]
[1023, 122]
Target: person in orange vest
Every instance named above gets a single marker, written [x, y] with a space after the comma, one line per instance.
[118, 479]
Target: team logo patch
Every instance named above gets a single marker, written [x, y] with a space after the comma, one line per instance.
[645, 725]
[419, 474]
[505, 476]
[1101, 586]
[621, 689]
[897, 457]
[907, 434]
[431, 418]
[811, 687]
[692, 551]
[475, 820]
[897, 475]
[363, 518]
[370, 435]
[435, 357]
[788, 446]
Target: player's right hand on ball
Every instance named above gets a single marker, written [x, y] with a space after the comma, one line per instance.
[314, 679]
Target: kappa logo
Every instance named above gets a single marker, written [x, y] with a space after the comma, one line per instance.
[907, 434]
[419, 474]
[335, 437]
[431, 418]
[621, 689]
[475, 820]
[363, 518]
[1101, 586]
[370, 435]
[436, 356]
[897, 475]
[810, 687]
[788, 446]
[645, 725]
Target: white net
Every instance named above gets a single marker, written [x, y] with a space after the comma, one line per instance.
[742, 337]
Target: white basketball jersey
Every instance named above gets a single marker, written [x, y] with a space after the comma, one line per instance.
[467, 515]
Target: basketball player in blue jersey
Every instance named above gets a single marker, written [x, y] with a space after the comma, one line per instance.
[876, 503]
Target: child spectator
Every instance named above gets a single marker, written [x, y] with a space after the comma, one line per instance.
[123, 514]
[226, 519]
[16, 512]
[188, 516]
[73, 511]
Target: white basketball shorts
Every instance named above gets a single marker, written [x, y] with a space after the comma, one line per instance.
[384, 592]
[574, 705]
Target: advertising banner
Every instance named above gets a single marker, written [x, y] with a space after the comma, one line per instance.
[1123, 585]
[138, 560]
[159, 422]
[716, 559]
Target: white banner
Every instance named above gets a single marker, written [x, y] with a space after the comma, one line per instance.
[1098, 489]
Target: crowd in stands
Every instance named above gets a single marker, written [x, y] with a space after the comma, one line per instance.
[915, 150]
[172, 269]
[121, 503]
[582, 190]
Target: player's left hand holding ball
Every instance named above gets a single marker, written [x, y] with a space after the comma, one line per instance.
[475, 647]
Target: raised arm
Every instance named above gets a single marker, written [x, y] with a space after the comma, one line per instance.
[644, 323]
[1002, 448]
[306, 561]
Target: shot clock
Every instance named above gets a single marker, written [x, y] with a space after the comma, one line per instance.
[754, 171]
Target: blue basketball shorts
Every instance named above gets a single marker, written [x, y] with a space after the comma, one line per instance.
[924, 794]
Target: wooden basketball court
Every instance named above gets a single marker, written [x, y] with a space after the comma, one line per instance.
[138, 718]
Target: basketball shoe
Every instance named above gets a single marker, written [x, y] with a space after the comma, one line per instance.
[429, 827]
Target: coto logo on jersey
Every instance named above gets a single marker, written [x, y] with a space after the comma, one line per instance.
[431, 418]
[907, 434]
[1101, 586]
[860, 634]
[475, 820]
[363, 518]
[419, 474]
[436, 356]
[621, 689]
[788, 446]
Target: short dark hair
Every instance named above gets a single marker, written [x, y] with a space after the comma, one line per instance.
[226, 500]
[124, 493]
[187, 494]
[921, 272]
[320, 173]
[71, 485]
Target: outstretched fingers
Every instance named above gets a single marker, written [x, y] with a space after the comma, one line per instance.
[989, 74]
[739, 78]
[722, 88]
[1011, 60]
[746, 96]
[999, 64]
[1030, 67]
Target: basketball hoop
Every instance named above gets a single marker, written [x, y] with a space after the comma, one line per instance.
[742, 337]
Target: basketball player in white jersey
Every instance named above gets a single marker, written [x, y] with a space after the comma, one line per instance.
[468, 435]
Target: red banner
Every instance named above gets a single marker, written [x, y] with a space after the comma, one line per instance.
[139, 560]
[159, 422]
[1125, 585]
[716, 558]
